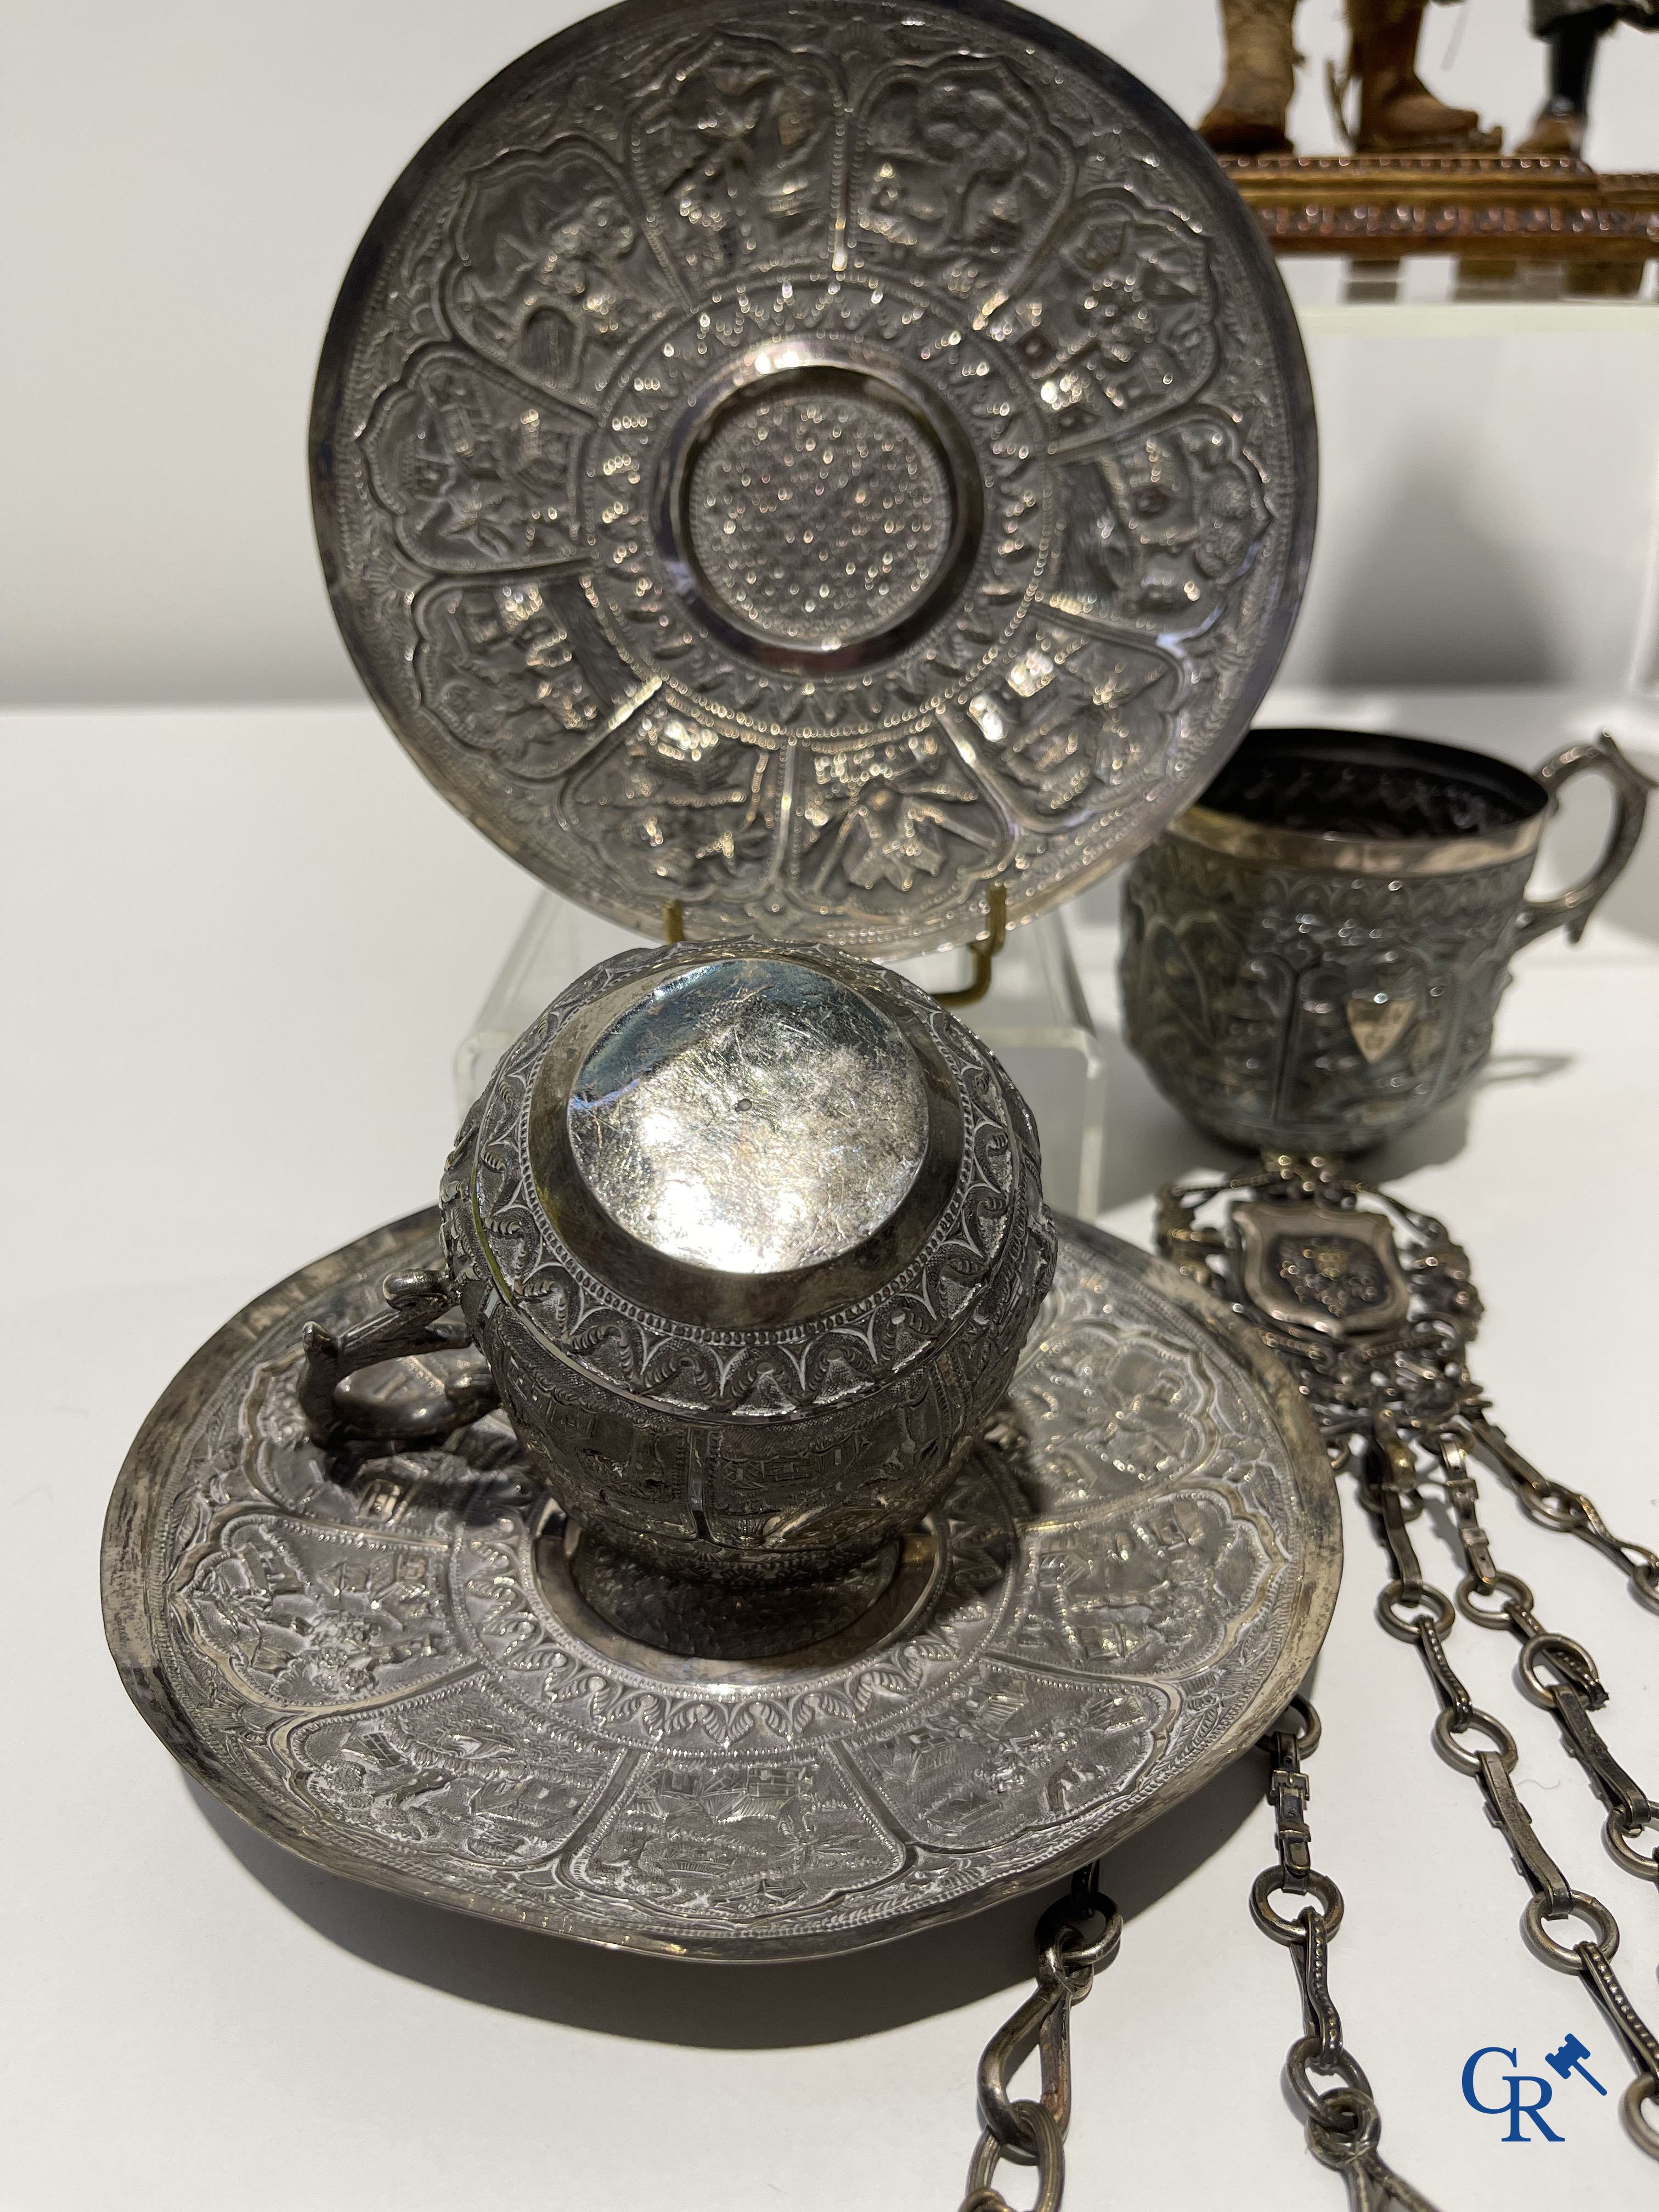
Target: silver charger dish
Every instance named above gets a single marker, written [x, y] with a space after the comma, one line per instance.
[814, 466]
[386, 1666]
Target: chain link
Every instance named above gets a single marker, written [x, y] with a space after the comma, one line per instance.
[1344, 2124]
[1577, 1690]
[1554, 1899]
[1381, 1399]
[1031, 2131]
[1414, 1393]
[1569, 1512]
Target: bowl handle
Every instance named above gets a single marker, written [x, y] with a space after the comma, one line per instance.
[410, 1323]
[1572, 909]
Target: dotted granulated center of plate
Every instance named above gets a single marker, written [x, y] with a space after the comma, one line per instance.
[819, 517]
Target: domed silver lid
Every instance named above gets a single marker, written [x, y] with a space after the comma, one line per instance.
[814, 464]
[752, 1116]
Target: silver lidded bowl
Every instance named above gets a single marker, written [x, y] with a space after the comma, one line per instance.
[751, 1239]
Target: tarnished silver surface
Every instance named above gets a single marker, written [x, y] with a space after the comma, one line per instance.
[753, 1115]
[1300, 1274]
[813, 463]
[1396, 1404]
[738, 1427]
[1312, 960]
[394, 1675]
[818, 517]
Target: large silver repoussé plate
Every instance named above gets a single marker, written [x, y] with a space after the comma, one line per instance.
[814, 462]
[398, 1679]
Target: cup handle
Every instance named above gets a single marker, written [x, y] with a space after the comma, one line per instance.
[1572, 909]
[407, 1323]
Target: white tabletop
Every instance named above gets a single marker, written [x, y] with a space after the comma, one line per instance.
[240, 950]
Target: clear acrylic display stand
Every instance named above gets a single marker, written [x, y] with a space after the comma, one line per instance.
[1035, 1018]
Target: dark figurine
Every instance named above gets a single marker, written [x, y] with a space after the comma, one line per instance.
[1398, 113]
[1573, 29]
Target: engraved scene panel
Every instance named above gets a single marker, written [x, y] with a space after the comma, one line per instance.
[735, 146]
[519, 668]
[477, 473]
[737, 1843]
[957, 175]
[1014, 1750]
[1118, 323]
[298, 1614]
[439, 1780]
[553, 276]
[1077, 723]
[892, 828]
[678, 802]
[1163, 524]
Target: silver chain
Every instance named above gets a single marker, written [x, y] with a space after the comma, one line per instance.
[1416, 1612]
[1031, 2130]
[1569, 1512]
[1399, 1405]
[1425, 1384]
[1572, 1689]
[1344, 2124]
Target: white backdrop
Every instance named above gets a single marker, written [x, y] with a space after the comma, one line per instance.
[183, 183]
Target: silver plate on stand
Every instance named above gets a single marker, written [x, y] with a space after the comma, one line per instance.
[390, 1671]
[814, 463]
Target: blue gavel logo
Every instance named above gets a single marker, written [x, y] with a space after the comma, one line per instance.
[1570, 2059]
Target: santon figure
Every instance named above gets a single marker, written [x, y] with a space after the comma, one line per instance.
[1572, 30]
[1398, 113]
